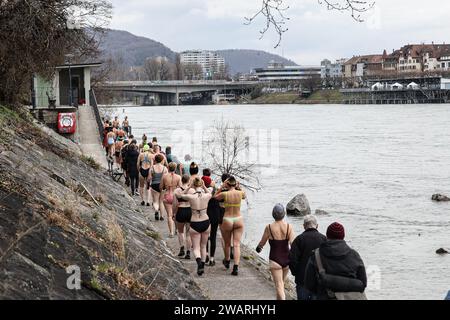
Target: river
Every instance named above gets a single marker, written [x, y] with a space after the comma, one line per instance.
[373, 168]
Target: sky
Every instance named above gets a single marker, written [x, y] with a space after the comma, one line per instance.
[314, 33]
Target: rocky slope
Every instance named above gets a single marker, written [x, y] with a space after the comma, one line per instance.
[49, 222]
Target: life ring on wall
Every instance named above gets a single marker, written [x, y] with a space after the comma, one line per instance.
[66, 123]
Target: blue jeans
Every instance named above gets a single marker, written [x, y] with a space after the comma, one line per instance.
[304, 294]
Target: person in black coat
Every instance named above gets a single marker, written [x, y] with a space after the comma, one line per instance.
[339, 261]
[132, 168]
[301, 249]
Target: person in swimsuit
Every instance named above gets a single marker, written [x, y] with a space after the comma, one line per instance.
[145, 162]
[116, 123]
[280, 235]
[193, 171]
[233, 224]
[224, 178]
[117, 148]
[200, 225]
[157, 150]
[157, 171]
[110, 138]
[169, 183]
[126, 126]
[182, 212]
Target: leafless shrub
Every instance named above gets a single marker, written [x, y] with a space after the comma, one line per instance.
[227, 148]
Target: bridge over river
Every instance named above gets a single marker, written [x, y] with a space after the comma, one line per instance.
[168, 92]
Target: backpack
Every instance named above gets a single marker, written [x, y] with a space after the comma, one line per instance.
[338, 287]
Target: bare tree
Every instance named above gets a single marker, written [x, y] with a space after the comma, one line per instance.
[274, 11]
[227, 151]
[166, 69]
[179, 71]
[151, 69]
[35, 35]
[192, 71]
[159, 69]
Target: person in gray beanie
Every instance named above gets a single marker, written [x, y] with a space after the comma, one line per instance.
[280, 236]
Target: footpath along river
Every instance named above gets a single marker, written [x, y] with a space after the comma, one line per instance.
[373, 168]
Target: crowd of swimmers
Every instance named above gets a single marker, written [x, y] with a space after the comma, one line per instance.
[195, 208]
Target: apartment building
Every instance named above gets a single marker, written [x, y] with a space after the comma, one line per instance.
[210, 61]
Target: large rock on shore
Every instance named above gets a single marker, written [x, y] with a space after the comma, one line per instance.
[440, 198]
[299, 206]
[442, 251]
[320, 212]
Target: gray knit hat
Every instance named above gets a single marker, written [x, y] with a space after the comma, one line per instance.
[278, 212]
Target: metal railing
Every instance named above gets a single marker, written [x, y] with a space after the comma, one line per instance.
[98, 118]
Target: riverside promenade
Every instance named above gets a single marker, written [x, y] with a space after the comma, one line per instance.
[253, 282]
[89, 141]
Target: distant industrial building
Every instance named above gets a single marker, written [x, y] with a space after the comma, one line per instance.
[278, 72]
[210, 61]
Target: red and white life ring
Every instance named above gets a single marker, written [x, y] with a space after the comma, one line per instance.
[66, 123]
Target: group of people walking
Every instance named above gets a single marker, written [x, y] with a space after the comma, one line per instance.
[196, 208]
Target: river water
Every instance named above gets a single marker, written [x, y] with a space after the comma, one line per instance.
[373, 168]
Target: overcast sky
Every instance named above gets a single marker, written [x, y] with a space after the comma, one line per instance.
[314, 32]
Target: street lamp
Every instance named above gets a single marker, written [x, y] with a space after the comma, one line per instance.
[69, 57]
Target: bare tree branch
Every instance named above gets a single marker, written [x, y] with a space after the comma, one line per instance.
[274, 13]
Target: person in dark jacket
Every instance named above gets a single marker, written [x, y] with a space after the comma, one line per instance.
[339, 260]
[301, 249]
[132, 167]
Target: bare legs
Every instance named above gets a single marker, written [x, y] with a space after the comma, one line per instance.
[232, 230]
[279, 276]
[170, 221]
[156, 196]
[183, 238]
[199, 241]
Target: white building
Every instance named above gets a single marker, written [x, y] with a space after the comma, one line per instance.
[332, 70]
[278, 72]
[444, 63]
[211, 62]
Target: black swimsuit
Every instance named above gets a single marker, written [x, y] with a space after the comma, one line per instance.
[145, 172]
[200, 226]
[279, 250]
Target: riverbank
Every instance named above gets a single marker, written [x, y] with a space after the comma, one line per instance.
[60, 211]
[318, 97]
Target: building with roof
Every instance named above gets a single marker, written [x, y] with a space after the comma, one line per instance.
[417, 58]
[69, 86]
[361, 66]
[276, 71]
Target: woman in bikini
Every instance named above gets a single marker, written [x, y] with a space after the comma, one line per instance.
[157, 171]
[182, 212]
[145, 162]
[169, 183]
[200, 225]
[233, 224]
[280, 235]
